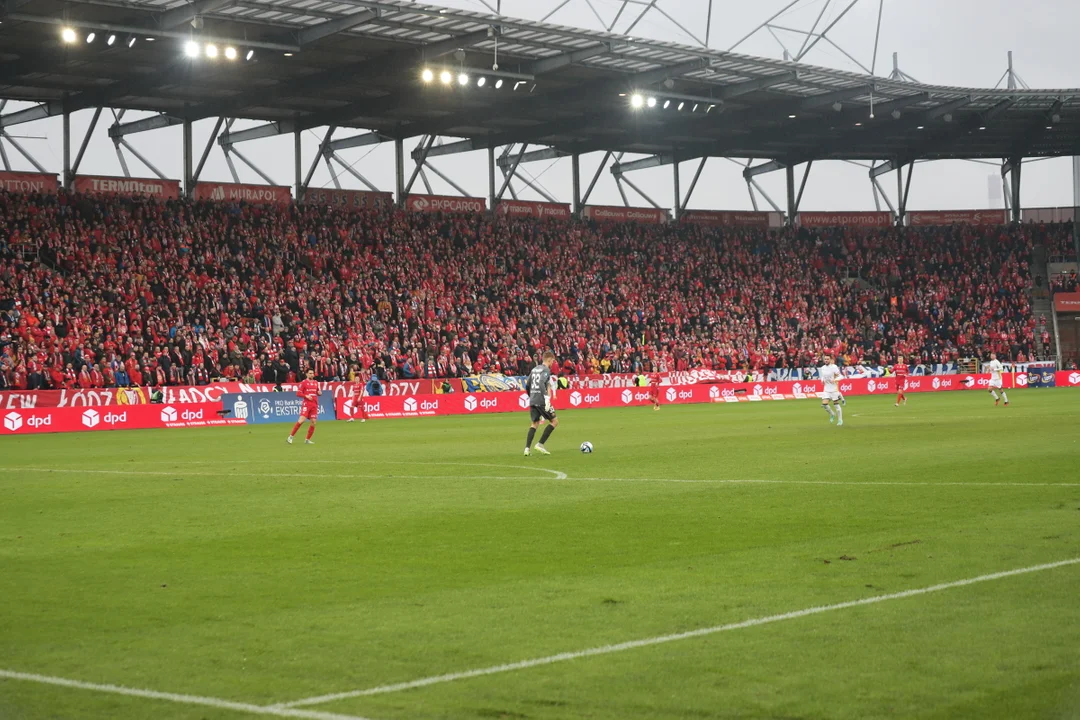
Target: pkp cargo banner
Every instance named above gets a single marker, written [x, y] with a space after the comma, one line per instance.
[536, 210]
[445, 203]
[132, 417]
[273, 407]
[151, 187]
[24, 182]
[348, 198]
[231, 192]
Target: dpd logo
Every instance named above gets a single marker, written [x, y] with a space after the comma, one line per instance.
[409, 405]
[627, 396]
[470, 403]
[714, 392]
[796, 389]
[13, 421]
[523, 401]
[575, 398]
[871, 386]
[168, 414]
[672, 394]
[936, 383]
[1074, 378]
[91, 418]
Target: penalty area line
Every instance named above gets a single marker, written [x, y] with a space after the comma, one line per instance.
[218, 703]
[646, 642]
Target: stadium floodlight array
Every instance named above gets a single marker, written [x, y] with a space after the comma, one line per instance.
[464, 77]
[680, 103]
[192, 48]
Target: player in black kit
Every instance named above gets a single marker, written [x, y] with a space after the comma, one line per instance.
[540, 396]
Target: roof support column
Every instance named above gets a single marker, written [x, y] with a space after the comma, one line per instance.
[678, 190]
[693, 184]
[902, 202]
[85, 144]
[425, 147]
[67, 149]
[189, 157]
[298, 160]
[792, 208]
[399, 170]
[190, 190]
[575, 178]
[588, 191]
[1012, 168]
[491, 176]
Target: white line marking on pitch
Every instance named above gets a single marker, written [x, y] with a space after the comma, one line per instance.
[556, 475]
[176, 698]
[633, 644]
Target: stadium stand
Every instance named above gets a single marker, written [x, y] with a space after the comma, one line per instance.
[104, 291]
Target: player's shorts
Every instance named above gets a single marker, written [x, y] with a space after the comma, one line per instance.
[995, 384]
[654, 392]
[901, 384]
[536, 413]
[833, 395]
[311, 412]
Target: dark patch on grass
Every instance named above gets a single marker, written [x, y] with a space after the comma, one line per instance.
[611, 601]
[847, 557]
[491, 713]
[896, 545]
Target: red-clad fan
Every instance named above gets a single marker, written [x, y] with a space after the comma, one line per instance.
[356, 394]
[900, 370]
[309, 391]
[654, 390]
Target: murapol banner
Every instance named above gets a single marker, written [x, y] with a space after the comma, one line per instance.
[273, 407]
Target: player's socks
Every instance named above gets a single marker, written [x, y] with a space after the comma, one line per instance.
[828, 409]
[839, 416]
[995, 396]
[1005, 397]
[295, 429]
[547, 433]
[310, 431]
[529, 438]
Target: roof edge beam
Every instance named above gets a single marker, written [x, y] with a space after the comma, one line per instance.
[150, 123]
[549, 153]
[834, 97]
[948, 108]
[260, 131]
[460, 146]
[313, 33]
[571, 58]
[371, 138]
[438, 49]
[188, 12]
[38, 112]
[650, 162]
[771, 166]
[742, 88]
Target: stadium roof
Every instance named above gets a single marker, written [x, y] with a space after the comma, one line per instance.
[357, 63]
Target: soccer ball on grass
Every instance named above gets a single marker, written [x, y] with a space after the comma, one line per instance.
[586, 447]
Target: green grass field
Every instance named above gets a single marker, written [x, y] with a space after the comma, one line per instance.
[226, 565]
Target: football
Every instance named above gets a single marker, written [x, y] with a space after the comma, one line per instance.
[586, 447]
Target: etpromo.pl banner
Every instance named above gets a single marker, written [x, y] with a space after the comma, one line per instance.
[617, 214]
[723, 218]
[231, 192]
[536, 210]
[132, 417]
[151, 187]
[272, 407]
[957, 217]
[445, 203]
[23, 182]
[348, 198]
[850, 219]
[184, 394]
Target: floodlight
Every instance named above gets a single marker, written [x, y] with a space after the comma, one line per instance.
[427, 76]
[230, 53]
[90, 37]
[446, 77]
[211, 51]
[651, 102]
[462, 79]
[191, 49]
[498, 83]
[67, 35]
[250, 54]
[131, 41]
[111, 40]
[636, 101]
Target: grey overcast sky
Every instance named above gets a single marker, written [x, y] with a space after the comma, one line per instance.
[941, 42]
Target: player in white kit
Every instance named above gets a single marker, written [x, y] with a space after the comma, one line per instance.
[830, 397]
[995, 368]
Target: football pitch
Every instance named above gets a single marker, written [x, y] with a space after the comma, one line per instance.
[724, 561]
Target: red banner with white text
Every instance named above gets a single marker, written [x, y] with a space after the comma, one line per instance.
[617, 214]
[231, 192]
[957, 217]
[150, 187]
[535, 210]
[132, 417]
[725, 218]
[1067, 302]
[348, 198]
[1067, 378]
[849, 219]
[445, 203]
[23, 182]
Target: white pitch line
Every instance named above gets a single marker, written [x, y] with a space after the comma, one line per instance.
[557, 475]
[646, 642]
[176, 698]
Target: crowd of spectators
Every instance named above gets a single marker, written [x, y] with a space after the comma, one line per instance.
[106, 291]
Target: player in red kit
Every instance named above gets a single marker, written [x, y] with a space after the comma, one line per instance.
[654, 390]
[900, 370]
[309, 391]
[357, 395]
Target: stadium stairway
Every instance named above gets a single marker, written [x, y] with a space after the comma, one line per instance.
[1041, 303]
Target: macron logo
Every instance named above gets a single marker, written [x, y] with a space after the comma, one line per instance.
[13, 421]
[575, 398]
[168, 414]
[627, 396]
[91, 418]
[409, 405]
[470, 403]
